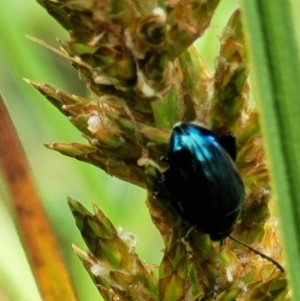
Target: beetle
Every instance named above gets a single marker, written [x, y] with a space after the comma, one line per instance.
[202, 182]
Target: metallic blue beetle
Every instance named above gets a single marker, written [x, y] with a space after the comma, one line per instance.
[202, 182]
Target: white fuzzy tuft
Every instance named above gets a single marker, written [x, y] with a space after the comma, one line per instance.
[94, 123]
[128, 237]
[242, 285]
[229, 275]
[158, 11]
[98, 270]
[144, 87]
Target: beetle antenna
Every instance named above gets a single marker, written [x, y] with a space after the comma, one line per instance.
[276, 263]
[217, 279]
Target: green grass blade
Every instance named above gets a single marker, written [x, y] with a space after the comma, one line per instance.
[276, 70]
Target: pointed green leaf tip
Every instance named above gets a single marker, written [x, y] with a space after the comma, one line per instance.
[111, 260]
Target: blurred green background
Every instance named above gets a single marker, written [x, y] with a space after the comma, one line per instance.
[56, 176]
